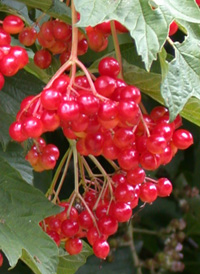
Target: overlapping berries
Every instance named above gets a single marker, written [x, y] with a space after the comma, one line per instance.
[102, 117]
[12, 58]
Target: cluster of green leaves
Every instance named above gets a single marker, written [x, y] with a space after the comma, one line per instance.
[170, 79]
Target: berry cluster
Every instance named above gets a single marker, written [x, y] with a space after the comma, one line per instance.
[113, 126]
[98, 35]
[42, 156]
[12, 58]
[102, 116]
[98, 220]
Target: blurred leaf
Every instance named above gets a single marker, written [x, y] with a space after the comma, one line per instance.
[22, 208]
[61, 11]
[44, 5]
[69, 264]
[14, 156]
[122, 263]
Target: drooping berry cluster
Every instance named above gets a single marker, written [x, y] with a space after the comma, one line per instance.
[103, 117]
[100, 219]
[12, 58]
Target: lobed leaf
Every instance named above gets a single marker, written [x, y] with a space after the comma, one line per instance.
[22, 208]
[183, 78]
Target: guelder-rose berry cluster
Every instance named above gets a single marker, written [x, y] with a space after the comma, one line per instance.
[103, 117]
[97, 223]
[12, 58]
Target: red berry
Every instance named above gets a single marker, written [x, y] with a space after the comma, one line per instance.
[105, 85]
[94, 143]
[124, 193]
[132, 93]
[101, 248]
[50, 120]
[108, 110]
[148, 192]
[85, 220]
[16, 133]
[135, 176]
[54, 224]
[69, 111]
[27, 36]
[156, 144]
[13, 24]
[51, 150]
[5, 38]
[92, 235]
[9, 65]
[107, 225]
[149, 161]
[182, 138]
[42, 58]
[129, 112]
[97, 41]
[61, 83]
[20, 55]
[1, 259]
[120, 28]
[73, 246]
[89, 103]
[73, 215]
[121, 211]
[164, 187]
[173, 28]
[128, 159]
[198, 2]
[123, 137]
[109, 66]
[54, 235]
[50, 98]
[69, 227]
[61, 31]
[82, 47]
[32, 127]
[104, 27]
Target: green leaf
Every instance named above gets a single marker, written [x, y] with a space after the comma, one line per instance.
[193, 30]
[70, 264]
[14, 156]
[188, 10]
[13, 7]
[122, 264]
[16, 88]
[61, 11]
[22, 208]
[54, 8]
[5, 121]
[43, 5]
[183, 78]
[148, 27]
